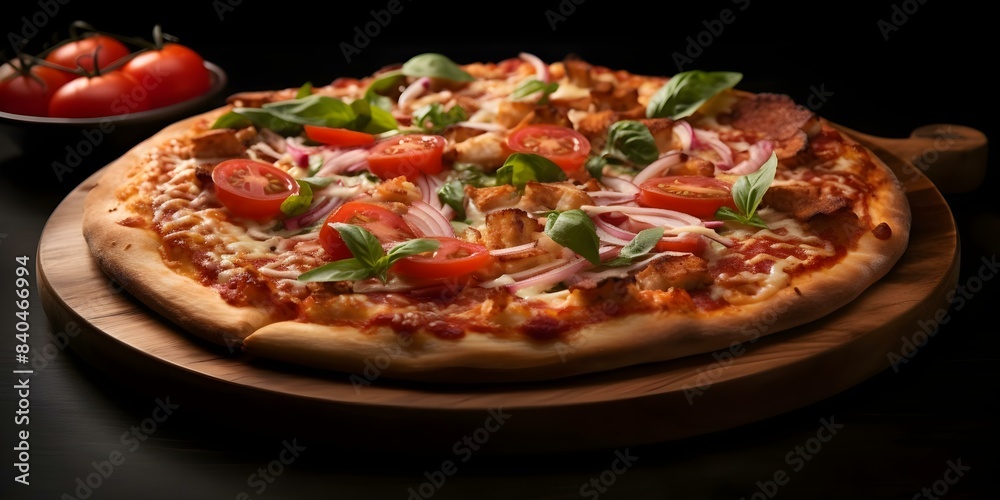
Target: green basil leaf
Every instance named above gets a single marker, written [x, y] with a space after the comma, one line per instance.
[317, 182]
[642, 243]
[595, 166]
[260, 118]
[304, 91]
[575, 230]
[232, 120]
[341, 270]
[381, 121]
[362, 243]
[631, 140]
[749, 189]
[412, 247]
[371, 119]
[386, 83]
[532, 86]
[298, 203]
[629, 143]
[473, 175]
[522, 168]
[685, 92]
[728, 214]
[435, 66]
[390, 80]
[287, 117]
[756, 221]
[362, 114]
[315, 109]
[453, 194]
[438, 118]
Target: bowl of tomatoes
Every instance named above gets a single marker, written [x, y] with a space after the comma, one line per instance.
[117, 88]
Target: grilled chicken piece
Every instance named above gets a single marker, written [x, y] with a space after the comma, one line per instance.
[458, 133]
[397, 190]
[510, 113]
[217, 143]
[491, 198]
[663, 133]
[594, 126]
[509, 227]
[694, 165]
[687, 272]
[541, 197]
[607, 95]
[578, 72]
[487, 150]
[550, 115]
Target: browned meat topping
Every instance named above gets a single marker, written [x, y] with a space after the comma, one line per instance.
[508, 227]
[687, 272]
[803, 201]
[217, 143]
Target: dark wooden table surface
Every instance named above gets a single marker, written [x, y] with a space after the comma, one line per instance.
[924, 428]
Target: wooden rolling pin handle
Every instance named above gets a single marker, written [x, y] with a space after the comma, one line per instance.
[952, 156]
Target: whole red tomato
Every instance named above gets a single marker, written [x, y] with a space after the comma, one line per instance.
[80, 53]
[171, 74]
[106, 94]
[28, 91]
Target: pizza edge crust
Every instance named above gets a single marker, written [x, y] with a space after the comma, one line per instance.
[132, 257]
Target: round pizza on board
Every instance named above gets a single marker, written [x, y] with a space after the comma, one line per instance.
[497, 221]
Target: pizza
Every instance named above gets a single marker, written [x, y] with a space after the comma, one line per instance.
[514, 220]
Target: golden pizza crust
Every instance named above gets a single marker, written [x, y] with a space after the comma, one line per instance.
[132, 257]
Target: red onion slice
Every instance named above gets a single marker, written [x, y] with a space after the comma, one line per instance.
[619, 184]
[563, 272]
[699, 230]
[338, 161]
[320, 209]
[685, 134]
[413, 91]
[612, 234]
[760, 151]
[541, 69]
[428, 220]
[551, 277]
[658, 167]
[677, 218]
[610, 197]
[711, 139]
[514, 249]
[299, 152]
[508, 279]
[428, 185]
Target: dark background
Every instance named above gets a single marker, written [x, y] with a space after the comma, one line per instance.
[900, 429]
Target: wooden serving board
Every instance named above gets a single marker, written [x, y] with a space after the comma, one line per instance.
[633, 406]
